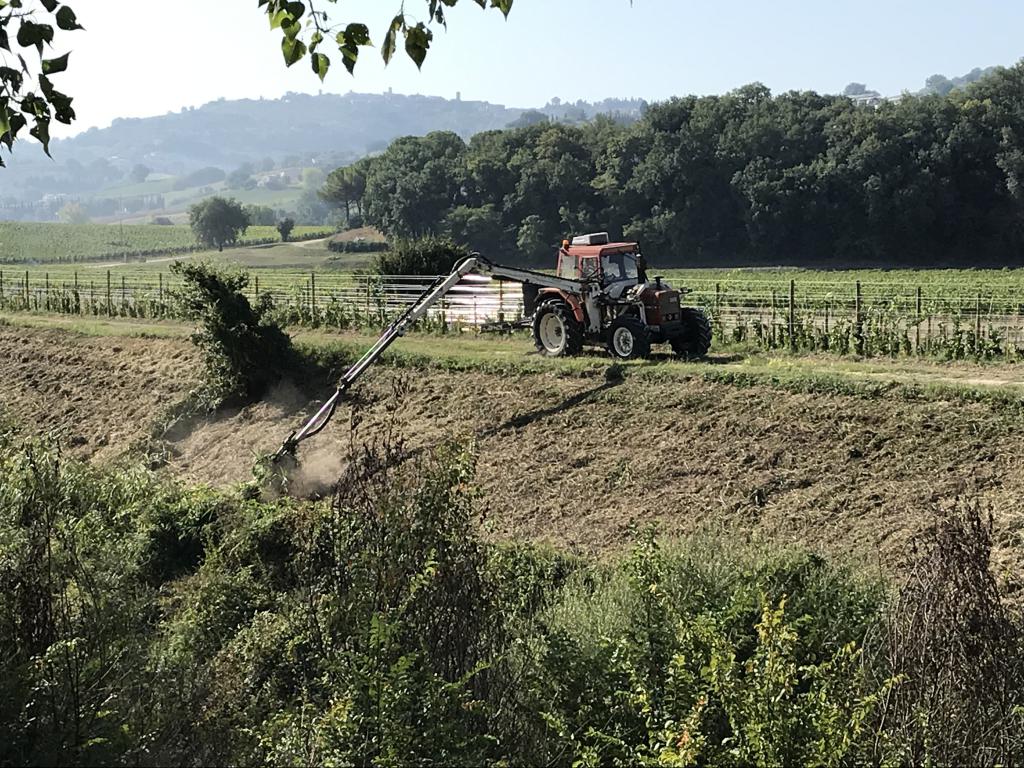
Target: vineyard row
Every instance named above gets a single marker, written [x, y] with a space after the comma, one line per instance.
[854, 319]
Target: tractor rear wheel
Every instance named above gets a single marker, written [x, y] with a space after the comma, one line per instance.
[628, 339]
[695, 340]
[556, 331]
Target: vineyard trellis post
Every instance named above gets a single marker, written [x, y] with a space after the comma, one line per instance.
[160, 291]
[858, 328]
[501, 301]
[26, 289]
[771, 336]
[124, 296]
[256, 294]
[792, 315]
[78, 301]
[312, 294]
[46, 287]
[2, 301]
[917, 324]
[977, 324]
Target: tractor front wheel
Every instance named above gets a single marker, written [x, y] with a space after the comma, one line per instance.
[695, 340]
[628, 339]
[556, 331]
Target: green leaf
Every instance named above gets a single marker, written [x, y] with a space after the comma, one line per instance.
[50, 5]
[388, 49]
[5, 41]
[293, 50]
[60, 102]
[5, 123]
[417, 41]
[349, 40]
[320, 65]
[66, 19]
[42, 132]
[357, 34]
[53, 66]
[291, 28]
[12, 76]
[31, 34]
[505, 6]
[277, 19]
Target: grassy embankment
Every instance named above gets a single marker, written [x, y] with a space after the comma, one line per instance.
[737, 364]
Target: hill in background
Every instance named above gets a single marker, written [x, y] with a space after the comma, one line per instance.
[141, 168]
[295, 131]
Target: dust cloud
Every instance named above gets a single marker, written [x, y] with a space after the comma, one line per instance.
[317, 472]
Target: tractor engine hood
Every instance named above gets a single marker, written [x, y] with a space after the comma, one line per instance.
[661, 302]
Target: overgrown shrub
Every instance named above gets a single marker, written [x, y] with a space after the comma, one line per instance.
[425, 256]
[958, 650]
[84, 553]
[146, 623]
[244, 351]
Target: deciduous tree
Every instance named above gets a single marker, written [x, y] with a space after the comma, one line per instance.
[218, 222]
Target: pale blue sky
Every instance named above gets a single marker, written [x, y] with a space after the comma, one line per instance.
[148, 57]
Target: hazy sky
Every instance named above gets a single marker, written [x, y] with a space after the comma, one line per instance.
[147, 57]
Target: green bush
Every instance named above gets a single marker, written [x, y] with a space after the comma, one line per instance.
[244, 351]
[425, 256]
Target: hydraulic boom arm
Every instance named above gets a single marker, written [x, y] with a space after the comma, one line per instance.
[415, 312]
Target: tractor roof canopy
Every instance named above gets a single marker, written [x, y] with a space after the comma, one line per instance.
[610, 249]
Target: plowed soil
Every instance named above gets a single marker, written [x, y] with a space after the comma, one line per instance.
[576, 461]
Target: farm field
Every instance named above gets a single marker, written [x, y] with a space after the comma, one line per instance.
[831, 457]
[42, 243]
[946, 314]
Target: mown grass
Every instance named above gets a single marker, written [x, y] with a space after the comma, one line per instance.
[999, 385]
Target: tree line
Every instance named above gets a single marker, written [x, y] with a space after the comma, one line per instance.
[746, 177]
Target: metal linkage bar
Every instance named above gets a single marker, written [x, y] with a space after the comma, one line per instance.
[416, 310]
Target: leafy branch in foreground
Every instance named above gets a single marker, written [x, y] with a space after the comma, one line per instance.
[304, 28]
[19, 105]
[294, 19]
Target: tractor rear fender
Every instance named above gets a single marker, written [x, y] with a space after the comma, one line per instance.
[569, 298]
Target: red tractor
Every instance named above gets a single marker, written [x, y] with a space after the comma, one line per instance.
[616, 306]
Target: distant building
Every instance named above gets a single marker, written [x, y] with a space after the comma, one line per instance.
[869, 99]
[874, 100]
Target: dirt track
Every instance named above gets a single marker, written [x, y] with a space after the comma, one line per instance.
[576, 461]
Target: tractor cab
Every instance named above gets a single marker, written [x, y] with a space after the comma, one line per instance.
[615, 266]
